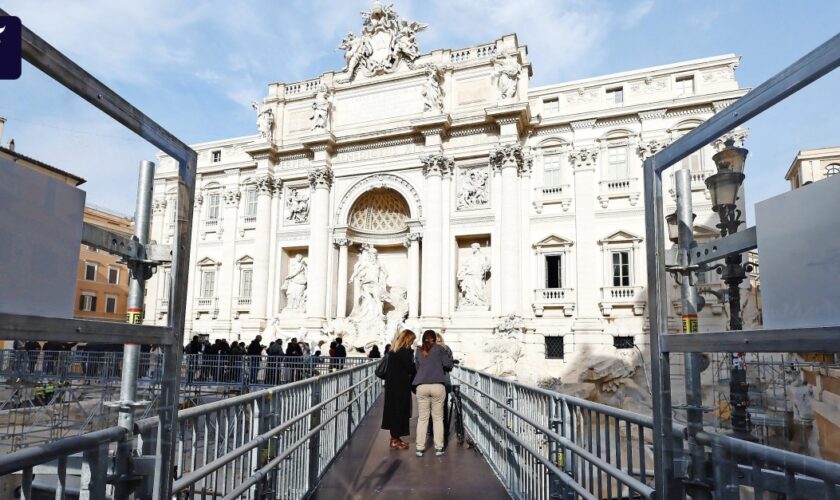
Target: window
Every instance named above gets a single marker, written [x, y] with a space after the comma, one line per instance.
[615, 96]
[208, 284]
[617, 163]
[245, 282]
[624, 342]
[251, 202]
[110, 304]
[621, 268]
[832, 169]
[552, 170]
[553, 271]
[684, 85]
[90, 272]
[87, 301]
[551, 106]
[213, 206]
[216, 156]
[167, 283]
[113, 275]
[554, 347]
[694, 162]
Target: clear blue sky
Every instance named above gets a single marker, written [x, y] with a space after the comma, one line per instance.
[195, 66]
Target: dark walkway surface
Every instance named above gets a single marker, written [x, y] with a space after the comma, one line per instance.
[369, 468]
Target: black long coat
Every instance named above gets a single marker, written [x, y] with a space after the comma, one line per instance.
[397, 411]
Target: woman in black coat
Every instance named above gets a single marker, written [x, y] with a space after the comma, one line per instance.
[401, 370]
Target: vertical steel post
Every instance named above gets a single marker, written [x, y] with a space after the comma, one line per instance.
[134, 314]
[688, 293]
[666, 484]
[136, 287]
[176, 315]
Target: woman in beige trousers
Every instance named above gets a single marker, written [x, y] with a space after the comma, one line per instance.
[432, 361]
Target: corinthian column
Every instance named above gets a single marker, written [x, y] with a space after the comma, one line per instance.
[265, 186]
[412, 242]
[320, 181]
[507, 158]
[434, 167]
[341, 293]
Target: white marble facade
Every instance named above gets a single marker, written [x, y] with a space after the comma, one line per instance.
[439, 190]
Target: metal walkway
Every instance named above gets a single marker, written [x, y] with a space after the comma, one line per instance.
[369, 468]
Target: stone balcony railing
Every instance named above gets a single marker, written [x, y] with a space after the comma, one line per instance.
[698, 182]
[211, 222]
[554, 298]
[209, 305]
[547, 195]
[303, 87]
[619, 188]
[241, 304]
[472, 53]
[623, 296]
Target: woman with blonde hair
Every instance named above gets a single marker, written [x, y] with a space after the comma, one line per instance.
[401, 371]
[432, 362]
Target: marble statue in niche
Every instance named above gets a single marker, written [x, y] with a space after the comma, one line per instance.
[369, 278]
[321, 109]
[474, 190]
[297, 206]
[472, 278]
[265, 120]
[295, 284]
[432, 92]
[506, 70]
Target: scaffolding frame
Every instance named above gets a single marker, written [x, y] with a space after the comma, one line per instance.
[669, 483]
[63, 70]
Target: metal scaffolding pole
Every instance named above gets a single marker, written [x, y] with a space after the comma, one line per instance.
[688, 291]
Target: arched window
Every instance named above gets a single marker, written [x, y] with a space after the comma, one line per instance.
[832, 169]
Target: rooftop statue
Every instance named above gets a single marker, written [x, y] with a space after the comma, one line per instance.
[385, 41]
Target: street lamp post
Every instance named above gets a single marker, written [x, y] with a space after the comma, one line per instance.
[724, 186]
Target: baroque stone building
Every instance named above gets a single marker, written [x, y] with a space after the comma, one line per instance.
[440, 190]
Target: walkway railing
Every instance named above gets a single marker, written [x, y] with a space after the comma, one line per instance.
[196, 369]
[543, 444]
[273, 442]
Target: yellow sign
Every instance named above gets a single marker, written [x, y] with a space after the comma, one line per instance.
[690, 324]
[134, 317]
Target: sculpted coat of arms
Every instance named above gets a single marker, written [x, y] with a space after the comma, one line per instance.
[386, 40]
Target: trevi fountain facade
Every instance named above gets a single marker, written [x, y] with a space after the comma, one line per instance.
[439, 190]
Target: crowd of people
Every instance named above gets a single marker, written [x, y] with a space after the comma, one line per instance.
[424, 371]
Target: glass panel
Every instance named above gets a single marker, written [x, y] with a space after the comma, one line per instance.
[617, 163]
[621, 268]
[245, 283]
[90, 272]
[110, 305]
[213, 206]
[113, 276]
[251, 203]
[208, 284]
[552, 168]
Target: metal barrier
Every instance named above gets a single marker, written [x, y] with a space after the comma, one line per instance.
[196, 369]
[269, 443]
[543, 444]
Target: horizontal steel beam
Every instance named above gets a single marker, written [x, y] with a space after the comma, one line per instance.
[126, 247]
[798, 75]
[735, 243]
[825, 339]
[36, 455]
[22, 327]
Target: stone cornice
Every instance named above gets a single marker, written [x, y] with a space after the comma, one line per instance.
[618, 120]
[432, 125]
[558, 129]
[583, 124]
[652, 114]
[689, 111]
[261, 151]
[320, 142]
[518, 113]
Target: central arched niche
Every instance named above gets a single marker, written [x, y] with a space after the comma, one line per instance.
[379, 212]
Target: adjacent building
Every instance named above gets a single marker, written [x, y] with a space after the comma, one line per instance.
[102, 285]
[811, 165]
[441, 190]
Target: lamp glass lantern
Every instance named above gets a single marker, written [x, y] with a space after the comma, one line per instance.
[674, 227]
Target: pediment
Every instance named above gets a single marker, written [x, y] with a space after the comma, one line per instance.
[619, 236]
[553, 241]
[207, 261]
[245, 259]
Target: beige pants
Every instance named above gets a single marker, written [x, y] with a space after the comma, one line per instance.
[430, 397]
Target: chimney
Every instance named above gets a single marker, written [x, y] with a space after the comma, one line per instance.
[2, 124]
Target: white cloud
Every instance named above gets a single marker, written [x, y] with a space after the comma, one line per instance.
[637, 12]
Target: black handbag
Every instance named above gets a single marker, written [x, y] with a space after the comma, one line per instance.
[382, 367]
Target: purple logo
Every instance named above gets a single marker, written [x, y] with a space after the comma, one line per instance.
[10, 42]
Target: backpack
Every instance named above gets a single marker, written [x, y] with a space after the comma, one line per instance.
[382, 367]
